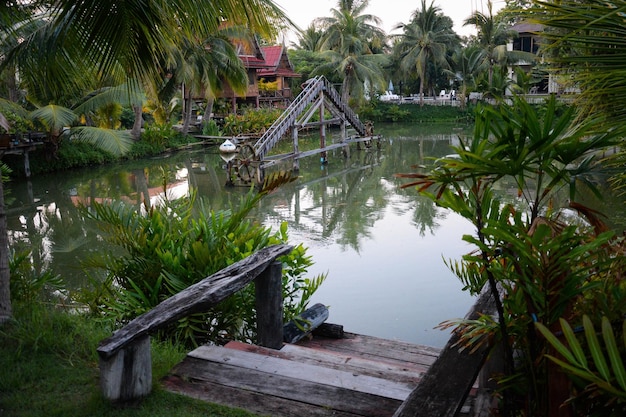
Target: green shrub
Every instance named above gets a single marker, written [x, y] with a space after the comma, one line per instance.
[170, 247]
[251, 122]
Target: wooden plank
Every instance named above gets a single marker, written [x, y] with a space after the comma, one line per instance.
[198, 297]
[456, 366]
[330, 330]
[336, 360]
[304, 372]
[377, 349]
[276, 385]
[251, 401]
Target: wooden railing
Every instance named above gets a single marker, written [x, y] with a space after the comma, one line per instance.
[445, 387]
[125, 363]
[125, 360]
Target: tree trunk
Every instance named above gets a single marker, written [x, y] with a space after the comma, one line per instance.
[5, 275]
[209, 109]
[136, 131]
[187, 114]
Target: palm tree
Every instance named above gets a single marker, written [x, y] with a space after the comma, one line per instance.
[426, 39]
[309, 39]
[201, 66]
[346, 41]
[493, 36]
[465, 69]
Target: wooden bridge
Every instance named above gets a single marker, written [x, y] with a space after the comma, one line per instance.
[317, 96]
[345, 375]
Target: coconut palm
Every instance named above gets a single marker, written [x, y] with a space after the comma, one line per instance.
[309, 39]
[465, 70]
[426, 39]
[493, 36]
[202, 65]
[348, 34]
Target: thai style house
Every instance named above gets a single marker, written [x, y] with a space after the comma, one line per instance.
[269, 71]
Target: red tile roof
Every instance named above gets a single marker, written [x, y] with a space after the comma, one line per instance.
[273, 58]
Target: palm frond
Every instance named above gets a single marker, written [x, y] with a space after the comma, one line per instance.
[54, 117]
[117, 142]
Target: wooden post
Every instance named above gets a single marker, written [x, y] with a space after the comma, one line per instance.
[444, 388]
[127, 375]
[269, 307]
[296, 148]
[26, 164]
[323, 158]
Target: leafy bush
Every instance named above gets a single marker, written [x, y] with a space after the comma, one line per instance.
[159, 253]
[252, 122]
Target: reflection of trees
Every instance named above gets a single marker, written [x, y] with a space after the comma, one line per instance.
[340, 202]
[344, 200]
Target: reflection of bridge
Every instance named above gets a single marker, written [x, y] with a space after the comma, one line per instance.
[317, 97]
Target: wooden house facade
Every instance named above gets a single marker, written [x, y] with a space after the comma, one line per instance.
[266, 66]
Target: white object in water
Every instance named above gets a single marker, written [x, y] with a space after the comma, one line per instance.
[228, 147]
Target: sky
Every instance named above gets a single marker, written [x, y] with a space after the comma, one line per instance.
[392, 12]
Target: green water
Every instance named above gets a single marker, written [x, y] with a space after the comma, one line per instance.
[383, 247]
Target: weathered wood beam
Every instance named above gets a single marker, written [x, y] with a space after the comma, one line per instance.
[196, 298]
[445, 387]
[269, 306]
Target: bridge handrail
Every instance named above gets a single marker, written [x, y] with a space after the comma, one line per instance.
[125, 365]
[306, 96]
[309, 93]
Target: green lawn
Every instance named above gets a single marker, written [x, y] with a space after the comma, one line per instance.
[50, 368]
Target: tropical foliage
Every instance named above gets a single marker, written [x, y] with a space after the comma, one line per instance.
[159, 253]
[550, 262]
[425, 40]
[349, 42]
[597, 370]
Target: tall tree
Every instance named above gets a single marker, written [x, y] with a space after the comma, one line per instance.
[346, 43]
[426, 39]
[201, 66]
[309, 39]
[493, 36]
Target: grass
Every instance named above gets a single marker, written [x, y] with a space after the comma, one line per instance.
[50, 368]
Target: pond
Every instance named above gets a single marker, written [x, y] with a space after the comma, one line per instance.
[383, 247]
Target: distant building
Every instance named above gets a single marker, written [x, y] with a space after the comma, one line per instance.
[528, 40]
[277, 72]
[269, 71]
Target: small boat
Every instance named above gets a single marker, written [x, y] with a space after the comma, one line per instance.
[228, 147]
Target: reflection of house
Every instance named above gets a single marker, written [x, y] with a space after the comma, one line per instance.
[269, 63]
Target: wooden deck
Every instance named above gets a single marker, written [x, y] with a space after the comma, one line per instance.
[354, 376]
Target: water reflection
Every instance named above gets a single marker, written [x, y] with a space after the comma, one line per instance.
[382, 246]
